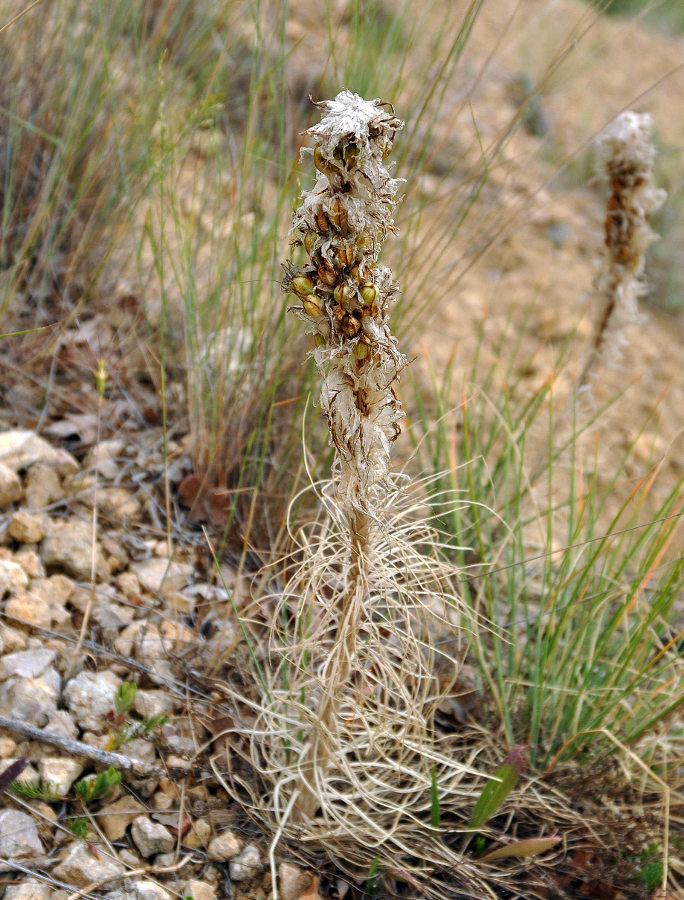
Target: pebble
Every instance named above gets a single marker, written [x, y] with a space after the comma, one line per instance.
[27, 528]
[154, 703]
[61, 723]
[291, 881]
[199, 890]
[117, 816]
[21, 448]
[8, 747]
[12, 578]
[12, 638]
[246, 865]
[80, 868]
[90, 696]
[103, 457]
[68, 546]
[147, 890]
[10, 486]
[160, 575]
[29, 700]
[60, 772]
[26, 663]
[151, 837]
[30, 562]
[31, 609]
[29, 890]
[18, 837]
[223, 847]
[118, 502]
[42, 486]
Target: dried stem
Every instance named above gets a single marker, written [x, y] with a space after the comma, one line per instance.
[625, 158]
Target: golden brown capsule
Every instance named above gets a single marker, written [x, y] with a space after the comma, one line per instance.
[322, 221]
[302, 285]
[327, 273]
[369, 293]
[350, 155]
[338, 311]
[310, 239]
[350, 325]
[343, 293]
[338, 214]
[344, 255]
[319, 340]
[361, 273]
[361, 350]
[312, 307]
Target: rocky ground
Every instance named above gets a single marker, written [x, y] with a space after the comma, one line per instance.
[164, 834]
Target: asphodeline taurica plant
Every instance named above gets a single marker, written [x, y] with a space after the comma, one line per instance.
[624, 159]
[344, 295]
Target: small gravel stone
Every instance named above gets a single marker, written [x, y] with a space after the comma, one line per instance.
[61, 722]
[223, 847]
[151, 837]
[27, 528]
[199, 890]
[147, 890]
[154, 703]
[26, 663]
[30, 608]
[118, 502]
[18, 837]
[80, 868]
[27, 774]
[29, 890]
[12, 638]
[20, 449]
[291, 881]
[12, 578]
[90, 696]
[68, 546]
[160, 575]
[10, 486]
[202, 829]
[8, 747]
[117, 816]
[102, 457]
[42, 486]
[246, 865]
[60, 772]
[30, 700]
[30, 562]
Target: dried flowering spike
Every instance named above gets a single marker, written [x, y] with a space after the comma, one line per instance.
[625, 157]
[344, 294]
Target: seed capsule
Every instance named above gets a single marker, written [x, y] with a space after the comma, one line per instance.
[361, 350]
[322, 221]
[301, 285]
[310, 239]
[338, 214]
[319, 340]
[327, 273]
[322, 164]
[361, 273]
[343, 293]
[350, 155]
[350, 326]
[312, 307]
[344, 256]
[369, 293]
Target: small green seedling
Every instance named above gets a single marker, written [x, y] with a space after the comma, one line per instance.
[435, 813]
[499, 786]
[94, 787]
[38, 789]
[125, 697]
[79, 826]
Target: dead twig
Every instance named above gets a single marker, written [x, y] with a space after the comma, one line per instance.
[78, 748]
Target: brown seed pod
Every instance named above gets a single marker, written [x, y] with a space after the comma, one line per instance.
[327, 273]
[338, 311]
[344, 255]
[350, 325]
[324, 165]
[338, 214]
[361, 273]
[319, 340]
[322, 221]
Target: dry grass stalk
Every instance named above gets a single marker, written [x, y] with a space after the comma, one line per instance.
[625, 156]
